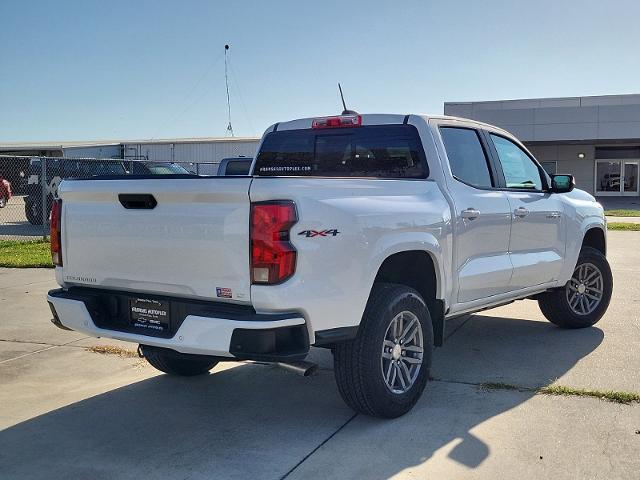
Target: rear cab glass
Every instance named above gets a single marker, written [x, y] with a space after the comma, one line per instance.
[378, 151]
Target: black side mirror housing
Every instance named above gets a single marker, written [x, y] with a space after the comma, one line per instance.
[562, 183]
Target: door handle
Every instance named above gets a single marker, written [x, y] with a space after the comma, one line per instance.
[521, 212]
[470, 213]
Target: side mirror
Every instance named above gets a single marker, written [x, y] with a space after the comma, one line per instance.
[562, 183]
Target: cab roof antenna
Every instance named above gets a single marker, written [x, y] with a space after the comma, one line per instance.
[344, 105]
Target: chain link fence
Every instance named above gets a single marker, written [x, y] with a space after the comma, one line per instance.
[28, 186]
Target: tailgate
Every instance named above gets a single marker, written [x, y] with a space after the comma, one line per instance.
[193, 243]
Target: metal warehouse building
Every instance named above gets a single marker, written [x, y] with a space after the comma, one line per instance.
[597, 139]
[198, 154]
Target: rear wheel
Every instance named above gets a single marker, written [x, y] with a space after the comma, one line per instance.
[584, 299]
[174, 363]
[384, 370]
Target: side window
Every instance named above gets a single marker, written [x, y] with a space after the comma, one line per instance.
[466, 156]
[519, 170]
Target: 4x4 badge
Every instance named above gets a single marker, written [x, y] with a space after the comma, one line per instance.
[322, 233]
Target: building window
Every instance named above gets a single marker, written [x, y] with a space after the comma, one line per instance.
[550, 167]
[616, 177]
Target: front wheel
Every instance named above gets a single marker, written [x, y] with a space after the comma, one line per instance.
[584, 299]
[174, 363]
[384, 370]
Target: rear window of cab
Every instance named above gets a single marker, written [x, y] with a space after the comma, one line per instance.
[377, 151]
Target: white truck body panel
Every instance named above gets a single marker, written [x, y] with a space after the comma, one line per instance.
[375, 218]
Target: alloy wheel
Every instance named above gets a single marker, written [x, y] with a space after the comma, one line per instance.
[402, 351]
[584, 290]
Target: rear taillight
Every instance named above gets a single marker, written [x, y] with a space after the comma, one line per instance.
[56, 237]
[340, 121]
[273, 257]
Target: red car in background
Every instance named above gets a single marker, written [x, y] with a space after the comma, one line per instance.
[5, 192]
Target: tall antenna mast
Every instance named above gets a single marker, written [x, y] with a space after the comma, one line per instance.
[226, 81]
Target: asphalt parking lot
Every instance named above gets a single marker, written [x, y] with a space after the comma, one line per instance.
[14, 224]
[67, 412]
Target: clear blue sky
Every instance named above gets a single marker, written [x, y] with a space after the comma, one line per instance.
[80, 70]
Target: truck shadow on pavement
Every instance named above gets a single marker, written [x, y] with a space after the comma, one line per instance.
[257, 421]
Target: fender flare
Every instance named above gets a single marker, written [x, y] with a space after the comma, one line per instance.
[573, 251]
[406, 242]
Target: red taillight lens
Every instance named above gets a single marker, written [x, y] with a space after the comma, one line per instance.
[56, 237]
[273, 257]
[341, 121]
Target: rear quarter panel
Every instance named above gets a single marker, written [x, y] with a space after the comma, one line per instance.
[374, 218]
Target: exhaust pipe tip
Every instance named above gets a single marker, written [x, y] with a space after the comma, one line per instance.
[302, 368]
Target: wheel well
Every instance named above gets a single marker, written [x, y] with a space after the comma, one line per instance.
[594, 238]
[414, 269]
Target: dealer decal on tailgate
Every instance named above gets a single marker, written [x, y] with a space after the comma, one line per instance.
[223, 292]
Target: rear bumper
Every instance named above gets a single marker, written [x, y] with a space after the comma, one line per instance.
[203, 328]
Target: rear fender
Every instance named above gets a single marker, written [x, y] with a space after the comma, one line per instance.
[410, 241]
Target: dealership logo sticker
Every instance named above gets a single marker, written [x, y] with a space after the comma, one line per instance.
[321, 233]
[223, 292]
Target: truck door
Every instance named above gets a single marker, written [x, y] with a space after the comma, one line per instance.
[537, 230]
[482, 219]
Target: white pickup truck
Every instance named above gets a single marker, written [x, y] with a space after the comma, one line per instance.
[359, 233]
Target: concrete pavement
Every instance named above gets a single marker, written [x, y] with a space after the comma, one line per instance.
[70, 413]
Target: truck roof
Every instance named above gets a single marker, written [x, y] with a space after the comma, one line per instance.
[382, 119]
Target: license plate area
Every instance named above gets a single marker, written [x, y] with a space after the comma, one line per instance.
[150, 315]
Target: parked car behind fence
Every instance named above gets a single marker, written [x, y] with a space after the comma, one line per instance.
[25, 194]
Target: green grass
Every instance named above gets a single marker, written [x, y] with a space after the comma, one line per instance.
[614, 396]
[32, 254]
[622, 213]
[629, 227]
[608, 395]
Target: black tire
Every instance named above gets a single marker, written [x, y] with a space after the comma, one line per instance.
[3, 200]
[357, 363]
[33, 212]
[555, 304]
[174, 363]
